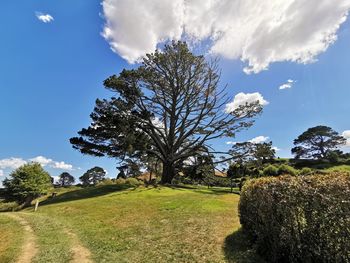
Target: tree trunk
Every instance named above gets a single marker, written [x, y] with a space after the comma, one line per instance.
[168, 173]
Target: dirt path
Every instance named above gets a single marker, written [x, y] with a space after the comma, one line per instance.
[80, 253]
[29, 248]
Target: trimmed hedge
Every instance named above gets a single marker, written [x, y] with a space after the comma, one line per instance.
[298, 219]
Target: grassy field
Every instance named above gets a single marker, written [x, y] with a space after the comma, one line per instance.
[140, 225]
[11, 239]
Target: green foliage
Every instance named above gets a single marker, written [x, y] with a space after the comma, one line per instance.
[305, 171]
[270, 170]
[106, 181]
[168, 108]
[317, 142]
[286, 170]
[133, 182]
[120, 181]
[93, 176]
[27, 183]
[263, 152]
[65, 179]
[298, 219]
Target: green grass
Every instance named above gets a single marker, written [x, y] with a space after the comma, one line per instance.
[53, 243]
[142, 225]
[340, 168]
[11, 239]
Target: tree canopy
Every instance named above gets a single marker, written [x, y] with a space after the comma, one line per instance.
[171, 108]
[93, 176]
[65, 179]
[27, 183]
[317, 142]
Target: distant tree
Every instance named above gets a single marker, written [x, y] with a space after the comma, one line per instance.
[93, 176]
[200, 169]
[235, 170]
[263, 152]
[316, 142]
[27, 183]
[65, 179]
[170, 107]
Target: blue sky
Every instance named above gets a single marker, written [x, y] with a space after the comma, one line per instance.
[51, 74]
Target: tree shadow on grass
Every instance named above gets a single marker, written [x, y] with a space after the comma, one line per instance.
[84, 193]
[238, 250]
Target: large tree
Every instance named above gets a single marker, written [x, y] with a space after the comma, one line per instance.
[65, 179]
[171, 107]
[27, 183]
[317, 142]
[93, 176]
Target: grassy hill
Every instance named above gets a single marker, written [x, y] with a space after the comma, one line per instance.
[110, 224]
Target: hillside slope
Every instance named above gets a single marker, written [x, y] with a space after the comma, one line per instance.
[140, 225]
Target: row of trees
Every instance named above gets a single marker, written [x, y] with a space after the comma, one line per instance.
[30, 181]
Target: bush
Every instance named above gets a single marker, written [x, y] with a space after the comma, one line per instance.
[298, 219]
[270, 170]
[119, 181]
[286, 169]
[133, 182]
[305, 171]
[106, 181]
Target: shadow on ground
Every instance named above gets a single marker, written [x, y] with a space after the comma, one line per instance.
[84, 193]
[238, 250]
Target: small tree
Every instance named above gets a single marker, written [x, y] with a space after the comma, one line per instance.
[65, 179]
[316, 142]
[93, 176]
[235, 170]
[27, 183]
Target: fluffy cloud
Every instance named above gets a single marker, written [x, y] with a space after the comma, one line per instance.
[61, 165]
[259, 139]
[243, 99]
[42, 160]
[11, 163]
[346, 135]
[1, 173]
[14, 163]
[46, 18]
[231, 143]
[257, 32]
[276, 148]
[287, 85]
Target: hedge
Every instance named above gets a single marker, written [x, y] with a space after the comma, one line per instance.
[298, 219]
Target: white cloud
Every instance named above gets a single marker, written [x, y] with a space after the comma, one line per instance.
[243, 99]
[276, 148]
[257, 32]
[42, 160]
[1, 173]
[14, 163]
[61, 165]
[346, 135]
[11, 163]
[287, 85]
[259, 139]
[231, 143]
[46, 18]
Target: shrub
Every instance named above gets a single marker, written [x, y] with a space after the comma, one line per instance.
[133, 182]
[298, 219]
[120, 181]
[270, 170]
[305, 171]
[106, 181]
[286, 169]
[26, 183]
